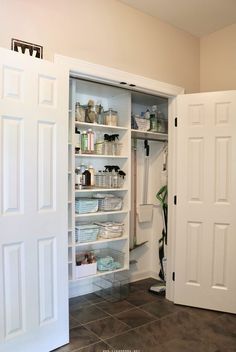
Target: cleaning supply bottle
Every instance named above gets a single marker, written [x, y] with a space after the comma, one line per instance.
[86, 179]
[84, 142]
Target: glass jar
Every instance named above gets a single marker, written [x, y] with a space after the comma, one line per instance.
[79, 112]
[111, 117]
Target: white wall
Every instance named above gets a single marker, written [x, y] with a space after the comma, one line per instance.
[106, 32]
[218, 60]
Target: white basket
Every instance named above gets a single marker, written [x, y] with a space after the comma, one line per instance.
[85, 270]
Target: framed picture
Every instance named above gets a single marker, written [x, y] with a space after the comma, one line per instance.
[27, 48]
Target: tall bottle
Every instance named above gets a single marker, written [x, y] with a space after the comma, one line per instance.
[86, 178]
[90, 135]
[78, 178]
[84, 142]
[92, 175]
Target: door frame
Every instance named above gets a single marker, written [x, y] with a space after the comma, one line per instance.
[107, 75]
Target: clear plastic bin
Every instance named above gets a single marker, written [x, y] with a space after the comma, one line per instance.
[112, 287]
[109, 259]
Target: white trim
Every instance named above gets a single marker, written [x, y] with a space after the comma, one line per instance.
[105, 74]
[172, 135]
[100, 73]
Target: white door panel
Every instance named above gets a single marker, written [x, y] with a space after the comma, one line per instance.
[33, 204]
[206, 189]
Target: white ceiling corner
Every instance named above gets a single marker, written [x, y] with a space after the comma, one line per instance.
[197, 17]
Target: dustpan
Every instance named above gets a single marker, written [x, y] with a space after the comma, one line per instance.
[145, 210]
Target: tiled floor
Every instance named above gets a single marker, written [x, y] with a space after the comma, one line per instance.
[146, 322]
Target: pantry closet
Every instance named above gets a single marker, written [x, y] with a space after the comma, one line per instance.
[99, 212]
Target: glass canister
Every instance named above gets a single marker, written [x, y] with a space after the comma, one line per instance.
[79, 112]
[91, 114]
[111, 117]
[153, 123]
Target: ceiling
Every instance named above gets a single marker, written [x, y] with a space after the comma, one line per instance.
[197, 17]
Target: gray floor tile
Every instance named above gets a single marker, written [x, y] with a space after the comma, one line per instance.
[138, 298]
[73, 322]
[97, 347]
[79, 337]
[132, 340]
[202, 314]
[160, 308]
[135, 317]
[87, 314]
[107, 327]
[189, 345]
[144, 284]
[93, 298]
[116, 307]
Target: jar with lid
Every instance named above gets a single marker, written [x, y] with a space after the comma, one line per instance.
[111, 117]
[99, 145]
[99, 112]
[91, 114]
[79, 112]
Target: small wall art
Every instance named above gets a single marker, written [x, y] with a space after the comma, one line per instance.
[27, 48]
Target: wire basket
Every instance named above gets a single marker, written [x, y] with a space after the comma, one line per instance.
[109, 230]
[86, 233]
[110, 204]
[86, 205]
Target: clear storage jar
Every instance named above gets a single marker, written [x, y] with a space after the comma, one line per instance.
[111, 117]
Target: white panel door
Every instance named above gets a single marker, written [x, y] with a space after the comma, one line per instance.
[33, 204]
[206, 201]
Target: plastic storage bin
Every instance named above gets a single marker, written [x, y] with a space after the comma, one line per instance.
[86, 233]
[85, 270]
[86, 205]
[112, 287]
[85, 264]
[109, 259]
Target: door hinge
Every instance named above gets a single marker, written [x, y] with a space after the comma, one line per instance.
[173, 276]
[176, 122]
[175, 200]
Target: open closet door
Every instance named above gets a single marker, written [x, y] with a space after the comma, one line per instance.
[206, 201]
[33, 204]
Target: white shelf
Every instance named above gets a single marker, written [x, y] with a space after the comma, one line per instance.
[102, 241]
[101, 156]
[151, 136]
[98, 126]
[98, 274]
[100, 213]
[88, 190]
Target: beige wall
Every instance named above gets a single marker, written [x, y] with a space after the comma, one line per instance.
[105, 32]
[218, 60]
